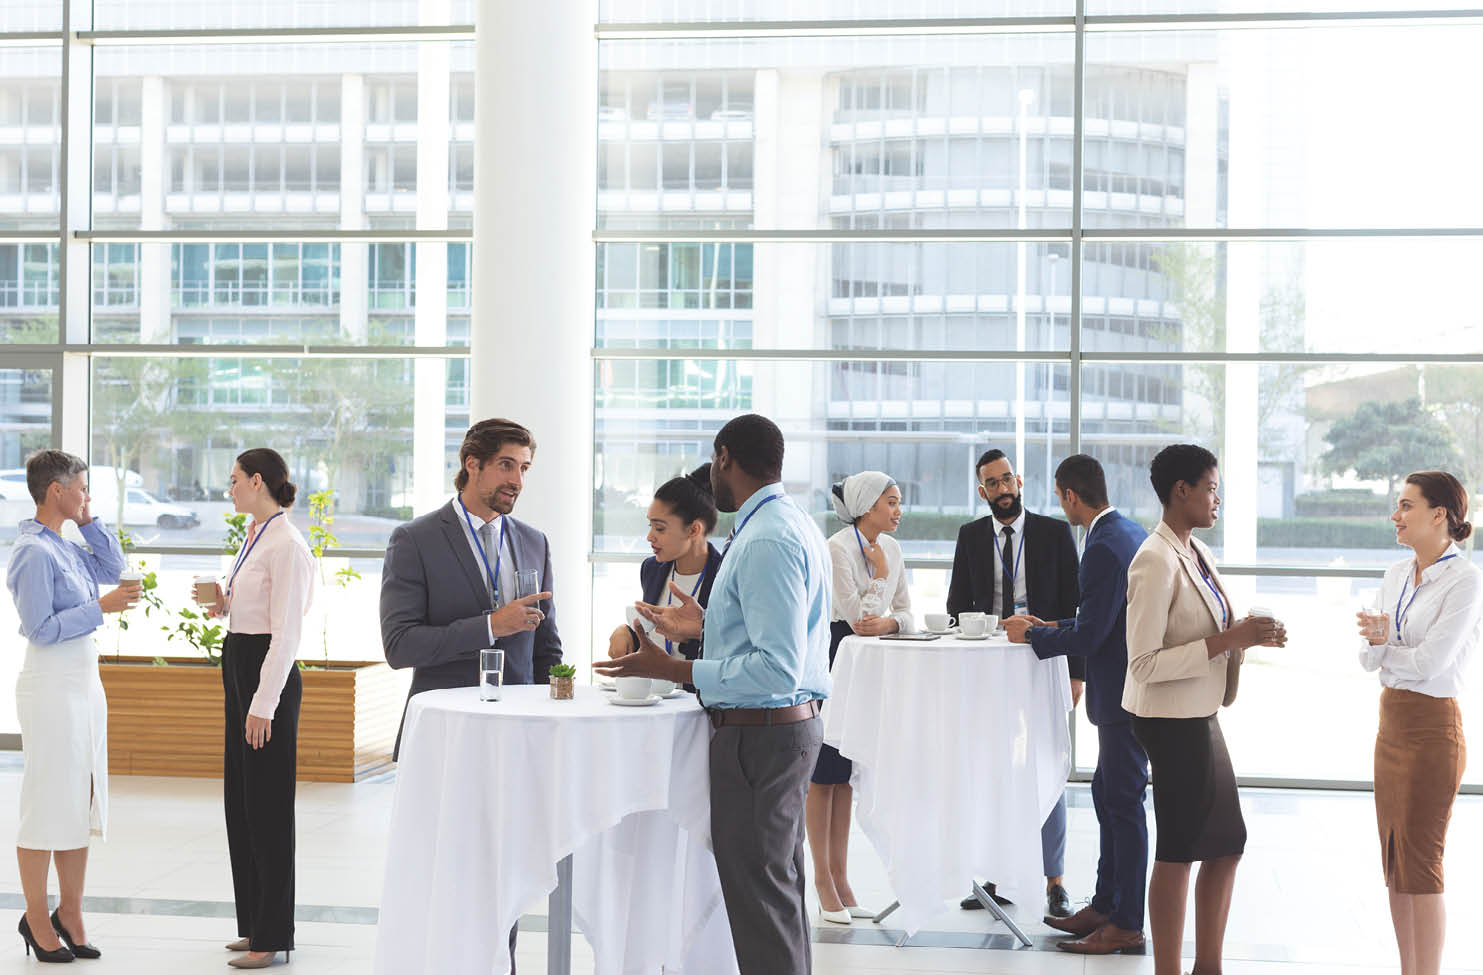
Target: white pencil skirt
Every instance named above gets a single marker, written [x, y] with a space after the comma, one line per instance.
[64, 739]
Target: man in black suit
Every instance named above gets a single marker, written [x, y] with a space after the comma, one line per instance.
[1113, 921]
[1010, 563]
[449, 579]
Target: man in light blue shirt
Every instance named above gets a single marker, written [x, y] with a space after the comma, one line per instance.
[763, 670]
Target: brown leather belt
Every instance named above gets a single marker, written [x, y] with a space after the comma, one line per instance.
[721, 717]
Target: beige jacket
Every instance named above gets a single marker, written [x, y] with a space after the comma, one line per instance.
[1171, 612]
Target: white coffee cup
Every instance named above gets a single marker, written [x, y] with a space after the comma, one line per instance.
[974, 624]
[1262, 613]
[206, 586]
[938, 622]
[633, 688]
[130, 578]
[661, 687]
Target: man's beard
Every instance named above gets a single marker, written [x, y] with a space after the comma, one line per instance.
[725, 500]
[1012, 511]
[494, 502]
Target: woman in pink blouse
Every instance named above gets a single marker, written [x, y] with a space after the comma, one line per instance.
[266, 598]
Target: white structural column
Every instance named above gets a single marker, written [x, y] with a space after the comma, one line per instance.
[74, 318]
[431, 477]
[791, 193]
[535, 192]
[154, 257]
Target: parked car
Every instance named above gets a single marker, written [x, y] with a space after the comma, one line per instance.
[140, 507]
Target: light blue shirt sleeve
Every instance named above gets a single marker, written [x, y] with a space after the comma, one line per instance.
[33, 582]
[106, 560]
[772, 585]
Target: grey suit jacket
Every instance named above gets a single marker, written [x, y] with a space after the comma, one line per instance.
[433, 601]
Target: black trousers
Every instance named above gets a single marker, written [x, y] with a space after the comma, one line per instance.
[759, 777]
[258, 786]
[1117, 795]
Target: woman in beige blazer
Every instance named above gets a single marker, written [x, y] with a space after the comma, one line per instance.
[1185, 649]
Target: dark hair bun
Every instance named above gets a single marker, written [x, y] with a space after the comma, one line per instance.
[701, 478]
[285, 493]
[1464, 531]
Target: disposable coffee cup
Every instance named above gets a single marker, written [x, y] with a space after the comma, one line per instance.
[130, 578]
[1262, 613]
[206, 590]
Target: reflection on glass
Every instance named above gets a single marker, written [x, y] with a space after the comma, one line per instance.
[30, 138]
[1311, 456]
[300, 135]
[182, 14]
[720, 11]
[271, 293]
[923, 422]
[343, 425]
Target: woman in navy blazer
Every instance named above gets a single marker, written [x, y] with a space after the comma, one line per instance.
[681, 519]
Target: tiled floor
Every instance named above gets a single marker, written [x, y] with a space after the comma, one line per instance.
[1308, 897]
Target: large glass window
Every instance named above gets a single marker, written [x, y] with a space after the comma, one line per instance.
[893, 244]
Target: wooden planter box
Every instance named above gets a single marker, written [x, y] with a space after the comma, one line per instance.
[168, 720]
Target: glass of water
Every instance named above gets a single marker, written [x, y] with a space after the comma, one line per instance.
[527, 583]
[491, 674]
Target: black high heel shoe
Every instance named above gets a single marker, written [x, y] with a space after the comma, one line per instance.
[61, 954]
[79, 951]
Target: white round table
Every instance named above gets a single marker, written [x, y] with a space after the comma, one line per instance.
[492, 798]
[961, 749]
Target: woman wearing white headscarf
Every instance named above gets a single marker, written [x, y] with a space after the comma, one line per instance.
[870, 599]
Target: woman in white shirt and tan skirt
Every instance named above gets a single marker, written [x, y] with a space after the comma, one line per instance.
[266, 598]
[1423, 630]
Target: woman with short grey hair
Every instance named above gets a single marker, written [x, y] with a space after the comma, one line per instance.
[59, 696]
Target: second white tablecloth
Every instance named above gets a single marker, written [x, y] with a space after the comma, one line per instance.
[961, 749]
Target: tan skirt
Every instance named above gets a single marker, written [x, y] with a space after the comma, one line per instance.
[1419, 759]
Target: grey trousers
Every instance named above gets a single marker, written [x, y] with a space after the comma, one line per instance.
[759, 778]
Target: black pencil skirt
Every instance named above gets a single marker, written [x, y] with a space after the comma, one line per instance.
[1195, 803]
[833, 768]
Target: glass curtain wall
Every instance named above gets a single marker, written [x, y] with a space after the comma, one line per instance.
[911, 231]
[250, 236]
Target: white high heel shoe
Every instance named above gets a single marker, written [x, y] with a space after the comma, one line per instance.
[857, 911]
[834, 917]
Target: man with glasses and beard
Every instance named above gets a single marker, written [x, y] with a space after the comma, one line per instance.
[1010, 563]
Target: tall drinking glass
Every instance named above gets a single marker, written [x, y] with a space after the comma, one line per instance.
[527, 583]
[491, 674]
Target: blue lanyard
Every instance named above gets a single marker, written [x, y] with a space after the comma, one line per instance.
[1400, 614]
[869, 565]
[1225, 611]
[498, 555]
[738, 529]
[246, 550]
[1019, 558]
[669, 647]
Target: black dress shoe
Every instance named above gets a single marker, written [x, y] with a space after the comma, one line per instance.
[58, 954]
[971, 902]
[1057, 902]
[81, 951]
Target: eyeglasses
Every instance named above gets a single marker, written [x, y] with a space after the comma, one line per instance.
[1007, 481]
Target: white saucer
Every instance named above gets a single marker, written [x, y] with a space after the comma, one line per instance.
[674, 693]
[608, 687]
[628, 702]
[982, 636]
[947, 632]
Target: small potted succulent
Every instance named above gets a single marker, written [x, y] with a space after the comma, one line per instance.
[563, 678]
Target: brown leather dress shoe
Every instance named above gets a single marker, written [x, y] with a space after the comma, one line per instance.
[1081, 924]
[1106, 940]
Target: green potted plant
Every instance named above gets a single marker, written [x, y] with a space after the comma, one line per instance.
[563, 682]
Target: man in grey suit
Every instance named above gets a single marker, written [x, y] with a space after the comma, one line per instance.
[448, 582]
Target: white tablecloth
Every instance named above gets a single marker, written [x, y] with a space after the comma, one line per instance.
[492, 796]
[961, 749]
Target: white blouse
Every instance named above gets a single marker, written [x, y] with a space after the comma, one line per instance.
[272, 594]
[856, 594]
[1428, 652]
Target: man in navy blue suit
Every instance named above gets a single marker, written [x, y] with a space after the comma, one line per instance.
[1113, 921]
